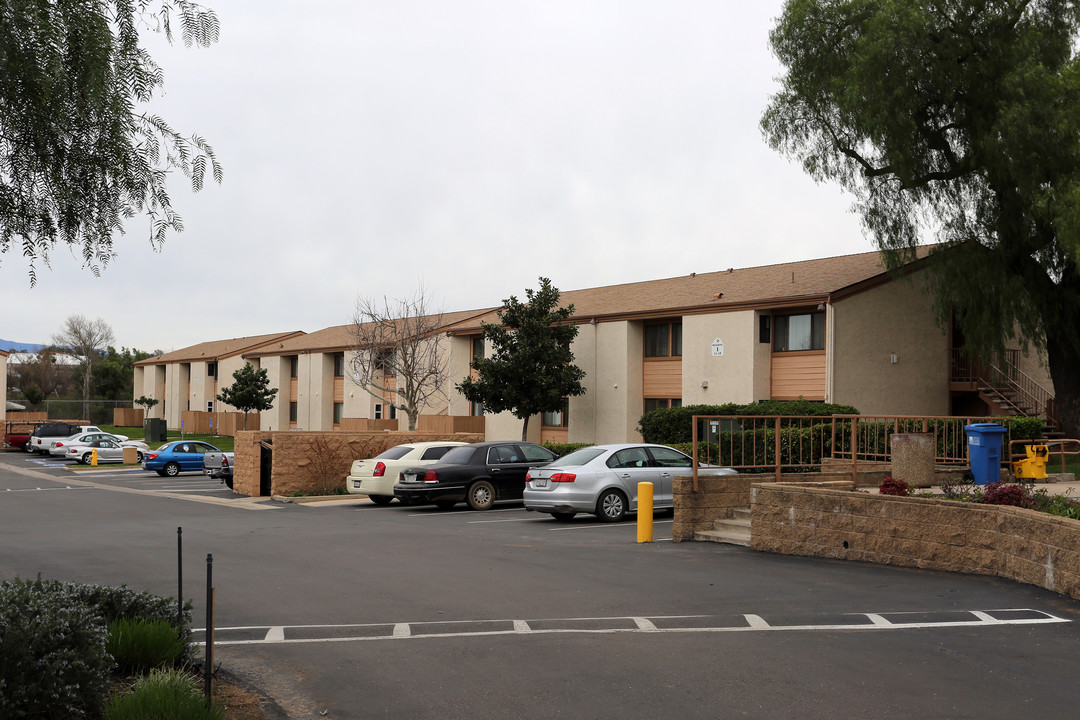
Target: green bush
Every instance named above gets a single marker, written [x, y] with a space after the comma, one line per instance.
[138, 645]
[53, 661]
[561, 449]
[113, 603]
[163, 695]
[674, 425]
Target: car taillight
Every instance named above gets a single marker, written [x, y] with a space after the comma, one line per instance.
[151, 456]
[59, 444]
[563, 477]
[224, 461]
[431, 476]
[380, 468]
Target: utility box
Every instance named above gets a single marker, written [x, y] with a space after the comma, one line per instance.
[131, 455]
[984, 451]
[1032, 467]
[154, 430]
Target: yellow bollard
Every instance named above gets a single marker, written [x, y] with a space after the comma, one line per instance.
[93, 456]
[644, 512]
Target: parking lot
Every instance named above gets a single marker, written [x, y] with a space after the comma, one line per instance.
[406, 612]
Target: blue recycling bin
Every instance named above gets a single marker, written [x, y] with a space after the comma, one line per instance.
[984, 451]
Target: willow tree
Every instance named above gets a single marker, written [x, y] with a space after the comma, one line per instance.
[955, 120]
[80, 152]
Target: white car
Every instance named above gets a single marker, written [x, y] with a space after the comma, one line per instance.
[60, 447]
[376, 476]
[108, 451]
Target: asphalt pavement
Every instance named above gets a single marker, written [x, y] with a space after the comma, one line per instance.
[344, 609]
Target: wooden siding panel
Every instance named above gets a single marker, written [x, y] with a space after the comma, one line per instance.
[798, 374]
[293, 392]
[662, 378]
[339, 389]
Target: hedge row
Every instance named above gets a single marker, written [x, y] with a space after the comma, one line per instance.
[674, 425]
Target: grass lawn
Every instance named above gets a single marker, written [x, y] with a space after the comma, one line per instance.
[221, 442]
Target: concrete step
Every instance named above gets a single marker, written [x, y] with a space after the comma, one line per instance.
[721, 536]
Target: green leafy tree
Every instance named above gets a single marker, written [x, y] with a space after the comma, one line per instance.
[531, 369]
[250, 391]
[960, 118]
[146, 403]
[79, 151]
[114, 373]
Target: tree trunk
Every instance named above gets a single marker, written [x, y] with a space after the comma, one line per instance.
[525, 429]
[412, 414]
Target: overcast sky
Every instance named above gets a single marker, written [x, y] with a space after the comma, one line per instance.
[472, 146]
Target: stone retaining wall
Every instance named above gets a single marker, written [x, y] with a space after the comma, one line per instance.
[305, 461]
[717, 496]
[1009, 542]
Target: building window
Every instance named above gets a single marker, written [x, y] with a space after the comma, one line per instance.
[799, 332]
[211, 369]
[478, 348]
[294, 364]
[559, 418]
[209, 406]
[339, 410]
[339, 364]
[663, 340]
[292, 412]
[661, 403]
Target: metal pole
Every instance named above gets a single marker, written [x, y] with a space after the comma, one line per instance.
[179, 578]
[209, 669]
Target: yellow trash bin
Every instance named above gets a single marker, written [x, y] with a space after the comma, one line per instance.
[1032, 467]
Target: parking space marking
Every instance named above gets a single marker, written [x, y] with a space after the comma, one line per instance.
[39, 489]
[298, 634]
[604, 525]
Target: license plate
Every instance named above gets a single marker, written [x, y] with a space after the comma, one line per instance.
[540, 482]
[356, 483]
[409, 478]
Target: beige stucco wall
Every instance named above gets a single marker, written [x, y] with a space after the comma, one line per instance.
[277, 373]
[203, 387]
[731, 376]
[226, 368]
[614, 386]
[867, 329]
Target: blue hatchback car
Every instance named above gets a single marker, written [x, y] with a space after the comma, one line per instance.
[178, 456]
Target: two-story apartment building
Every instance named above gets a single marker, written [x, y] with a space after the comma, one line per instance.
[839, 330]
[191, 378]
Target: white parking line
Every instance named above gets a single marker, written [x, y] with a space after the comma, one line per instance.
[610, 526]
[280, 634]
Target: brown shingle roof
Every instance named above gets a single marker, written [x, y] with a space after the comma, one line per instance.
[338, 338]
[217, 349]
[783, 285]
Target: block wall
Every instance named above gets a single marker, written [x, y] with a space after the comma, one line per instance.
[1009, 542]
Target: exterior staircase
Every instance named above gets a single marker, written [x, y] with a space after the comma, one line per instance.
[735, 531]
[1003, 386]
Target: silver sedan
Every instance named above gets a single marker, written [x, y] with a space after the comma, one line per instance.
[603, 480]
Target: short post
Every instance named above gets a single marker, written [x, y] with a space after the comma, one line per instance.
[179, 578]
[93, 456]
[644, 512]
[209, 669]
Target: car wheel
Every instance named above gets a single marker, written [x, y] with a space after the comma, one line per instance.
[611, 507]
[138, 458]
[481, 495]
[171, 469]
[381, 499]
[446, 504]
[563, 516]
[228, 481]
[85, 459]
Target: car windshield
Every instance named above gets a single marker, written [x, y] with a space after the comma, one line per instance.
[578, 457]
[458, 455]
[394, 453]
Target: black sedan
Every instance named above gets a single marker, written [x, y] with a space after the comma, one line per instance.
[477, 474]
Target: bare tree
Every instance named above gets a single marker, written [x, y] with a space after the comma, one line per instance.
[88, 339]
[398, 352]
